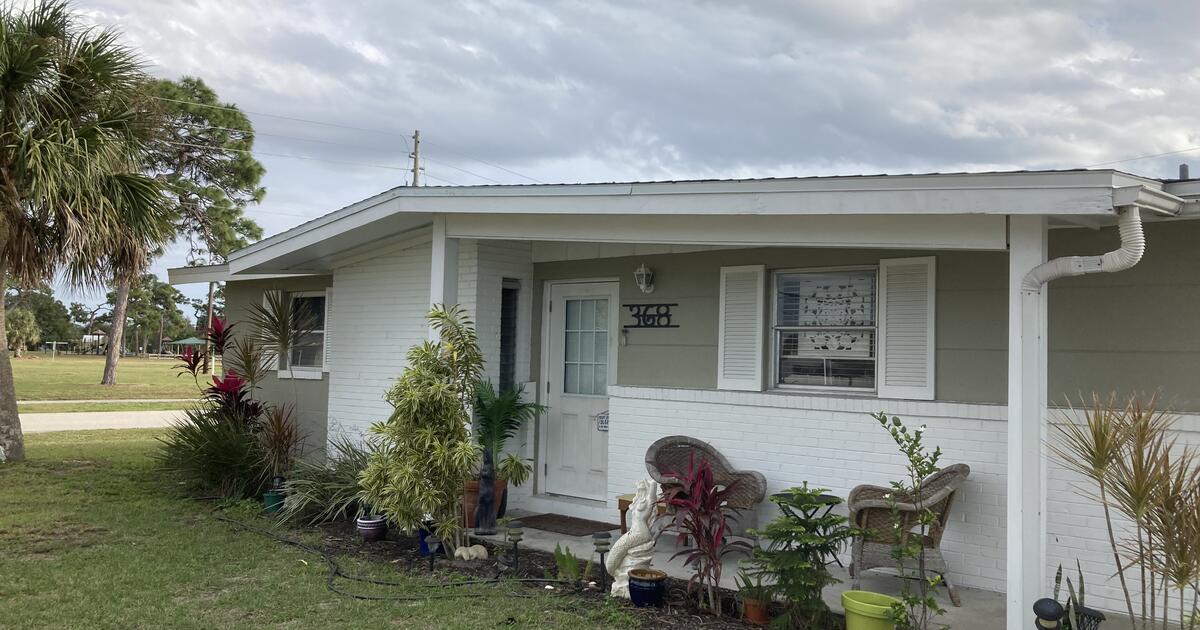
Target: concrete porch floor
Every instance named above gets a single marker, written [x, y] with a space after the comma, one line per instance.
[980, 610]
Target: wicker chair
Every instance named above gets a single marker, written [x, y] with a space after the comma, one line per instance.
[871, 512]
[671, 454]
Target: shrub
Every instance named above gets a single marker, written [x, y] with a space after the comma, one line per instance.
[322, 492]
[425, 453]
[803, 541]
[280, 440]
[701, 513]
[500, 416]
[215, 452]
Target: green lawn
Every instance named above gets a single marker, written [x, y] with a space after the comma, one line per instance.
[91, 536]
[74, 377]
[100, 405]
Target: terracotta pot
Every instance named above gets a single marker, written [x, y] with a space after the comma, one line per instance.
[471, 498]
[755, 611]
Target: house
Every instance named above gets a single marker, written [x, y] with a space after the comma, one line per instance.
[769, 317]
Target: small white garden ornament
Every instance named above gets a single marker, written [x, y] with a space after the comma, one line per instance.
[635, 548]
[474, 552]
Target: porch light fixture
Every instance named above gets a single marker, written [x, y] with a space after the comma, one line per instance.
[644, 277]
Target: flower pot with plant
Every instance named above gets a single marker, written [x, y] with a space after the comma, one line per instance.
[755, 596]
[802, 542]
[499, 417]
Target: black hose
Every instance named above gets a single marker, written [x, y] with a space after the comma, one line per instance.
[335, 572]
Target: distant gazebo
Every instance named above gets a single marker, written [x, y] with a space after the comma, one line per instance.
[178, 346]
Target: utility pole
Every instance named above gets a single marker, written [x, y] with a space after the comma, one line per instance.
[416, 158]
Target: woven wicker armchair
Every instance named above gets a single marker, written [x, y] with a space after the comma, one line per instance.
[871, 512]
[671, 454]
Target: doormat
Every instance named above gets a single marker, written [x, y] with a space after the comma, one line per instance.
[568, 525]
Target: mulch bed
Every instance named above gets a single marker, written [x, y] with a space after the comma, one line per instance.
[402, 551]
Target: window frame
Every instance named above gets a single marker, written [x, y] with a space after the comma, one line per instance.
[313, 372]
[773, 330]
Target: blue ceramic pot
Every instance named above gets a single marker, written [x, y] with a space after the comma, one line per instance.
[647, 587]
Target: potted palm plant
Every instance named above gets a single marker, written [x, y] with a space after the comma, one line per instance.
[499, 416]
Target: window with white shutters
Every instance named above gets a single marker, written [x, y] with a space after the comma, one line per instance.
[906, 335]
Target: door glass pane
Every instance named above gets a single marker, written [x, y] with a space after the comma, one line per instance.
[585, 354]
[572, 346]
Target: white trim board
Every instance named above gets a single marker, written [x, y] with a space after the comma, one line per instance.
[967, 232]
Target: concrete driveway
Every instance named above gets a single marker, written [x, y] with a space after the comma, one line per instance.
[75, 421]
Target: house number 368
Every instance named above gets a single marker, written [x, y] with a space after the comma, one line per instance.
[651, 315]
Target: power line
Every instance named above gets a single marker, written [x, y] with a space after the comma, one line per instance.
[1144, 157]
[494, 165]
[403, 137]
[283, 117]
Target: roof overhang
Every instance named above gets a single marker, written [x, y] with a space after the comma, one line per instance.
[216, 273]
[1069, 196]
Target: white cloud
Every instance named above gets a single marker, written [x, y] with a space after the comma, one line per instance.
[596, 91]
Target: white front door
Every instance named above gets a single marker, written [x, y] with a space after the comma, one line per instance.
[582, 354]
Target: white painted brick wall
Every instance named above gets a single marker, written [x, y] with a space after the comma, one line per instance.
[379, 313]
[832, 442]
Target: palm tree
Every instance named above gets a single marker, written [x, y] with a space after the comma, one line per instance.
[71, 137]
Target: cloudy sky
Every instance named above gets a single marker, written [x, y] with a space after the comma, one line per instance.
[512, 91]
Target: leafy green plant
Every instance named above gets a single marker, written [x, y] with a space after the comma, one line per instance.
[499, 416]
[750, 585]
[916, 610]
[1077, 614]
[802, 543]
[279, 326]
[214, 453]
[280, 440]
[321, 492]
[425, 453]
[567, 564]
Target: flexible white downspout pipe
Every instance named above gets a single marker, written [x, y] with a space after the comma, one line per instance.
[1133, 245]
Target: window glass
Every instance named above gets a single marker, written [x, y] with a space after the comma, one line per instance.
[585, 356]
[309, 350]
[825, 328]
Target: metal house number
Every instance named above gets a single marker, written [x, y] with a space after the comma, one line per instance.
[651, 315]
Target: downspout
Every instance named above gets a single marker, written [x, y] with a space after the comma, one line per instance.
[1133, 245]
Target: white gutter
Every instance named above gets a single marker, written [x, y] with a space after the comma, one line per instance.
[1133, 245]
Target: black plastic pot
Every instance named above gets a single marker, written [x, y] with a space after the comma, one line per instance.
[647, 587]
[372, 528]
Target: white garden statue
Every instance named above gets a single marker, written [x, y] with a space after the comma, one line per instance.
[635, 548]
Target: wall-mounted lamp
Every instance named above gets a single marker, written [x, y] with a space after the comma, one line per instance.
[644, 277]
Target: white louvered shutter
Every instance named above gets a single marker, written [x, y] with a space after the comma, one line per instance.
[906, 328]
[325, 362]
[740, 328]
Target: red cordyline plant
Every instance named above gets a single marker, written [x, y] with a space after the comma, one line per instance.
[219, 334]
[700, 512]
[191, 362]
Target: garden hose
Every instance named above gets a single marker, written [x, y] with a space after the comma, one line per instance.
[335, 572]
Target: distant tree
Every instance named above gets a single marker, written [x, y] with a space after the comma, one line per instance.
[202, 155]
[53, 319]
[21, 330]
[153, 312]
[71, 176]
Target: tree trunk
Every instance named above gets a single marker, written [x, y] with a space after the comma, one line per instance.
[117, 333]
[208, 360]
[12, 441]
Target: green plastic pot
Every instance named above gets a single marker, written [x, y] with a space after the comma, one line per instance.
[867, 611]
[272, 501]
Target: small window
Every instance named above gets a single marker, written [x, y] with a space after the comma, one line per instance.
[824, 328]
[309, 350]
[508, 333]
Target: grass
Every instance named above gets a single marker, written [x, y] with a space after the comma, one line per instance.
[91, 536]
[76, 377]
[99, 405]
